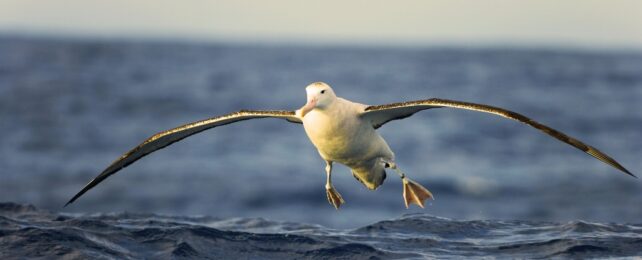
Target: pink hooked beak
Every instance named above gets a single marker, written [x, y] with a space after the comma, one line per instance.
[308, 106]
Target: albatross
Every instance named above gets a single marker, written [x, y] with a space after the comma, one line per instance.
[343, 132]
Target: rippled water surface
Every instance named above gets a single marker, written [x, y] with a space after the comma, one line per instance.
[68, 108]
[28, 232]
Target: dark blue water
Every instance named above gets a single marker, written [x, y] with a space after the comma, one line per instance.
[28, 232]
[68, 108]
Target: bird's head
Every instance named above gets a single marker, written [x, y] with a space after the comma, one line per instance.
[320, 95]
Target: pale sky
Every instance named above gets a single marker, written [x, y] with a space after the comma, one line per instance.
[586, 23]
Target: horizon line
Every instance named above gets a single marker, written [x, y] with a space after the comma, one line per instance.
[286, 41]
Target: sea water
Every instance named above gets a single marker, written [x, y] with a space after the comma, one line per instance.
[68, 108]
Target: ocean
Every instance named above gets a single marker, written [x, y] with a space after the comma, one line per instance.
[255, 189]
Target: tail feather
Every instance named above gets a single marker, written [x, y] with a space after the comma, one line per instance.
[372, 178]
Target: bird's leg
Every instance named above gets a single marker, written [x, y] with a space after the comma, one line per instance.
[333, 196]
[413, 192]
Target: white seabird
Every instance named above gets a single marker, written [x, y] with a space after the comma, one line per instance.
[344, 132]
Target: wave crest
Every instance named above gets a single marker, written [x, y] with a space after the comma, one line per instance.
[27, 232]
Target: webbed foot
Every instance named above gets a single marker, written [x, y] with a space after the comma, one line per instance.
[334, 197]
[414, 193]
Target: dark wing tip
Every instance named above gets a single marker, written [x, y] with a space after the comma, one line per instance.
[629, 173]
[605, 158]
[80, 193]
[624, 170]
[72, 199]
[89, 186]
[69, 202]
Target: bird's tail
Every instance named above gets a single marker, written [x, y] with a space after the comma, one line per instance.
[372, 178]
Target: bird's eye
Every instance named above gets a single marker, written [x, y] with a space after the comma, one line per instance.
[323, 91]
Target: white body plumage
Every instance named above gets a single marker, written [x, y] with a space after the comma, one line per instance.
[340, 135]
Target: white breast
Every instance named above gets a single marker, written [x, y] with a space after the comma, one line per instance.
[342, 136]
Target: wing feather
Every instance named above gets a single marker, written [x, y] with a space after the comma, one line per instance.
[381, 114]
[166, 138]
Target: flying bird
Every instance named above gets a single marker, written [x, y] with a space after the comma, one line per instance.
[343, 132]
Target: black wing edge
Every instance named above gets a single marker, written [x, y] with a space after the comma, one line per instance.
[439, 103]
[113, 168]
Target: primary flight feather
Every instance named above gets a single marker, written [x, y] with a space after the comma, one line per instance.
[343, 132]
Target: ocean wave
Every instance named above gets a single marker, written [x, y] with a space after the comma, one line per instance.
[69, 107]
[26, 231]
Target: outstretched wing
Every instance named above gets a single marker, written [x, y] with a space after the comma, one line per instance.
[382, 114]
[165, 138]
